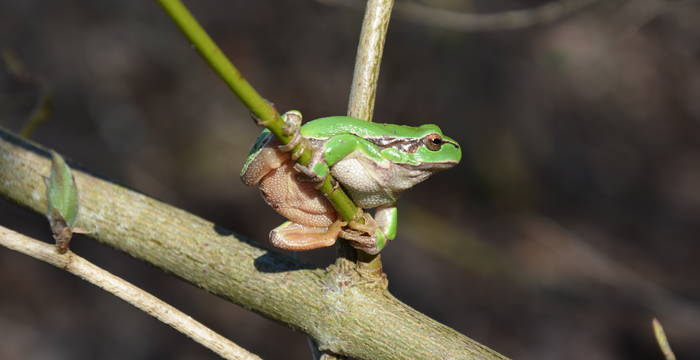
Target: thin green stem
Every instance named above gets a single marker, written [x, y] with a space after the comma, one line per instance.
[261, 108]
[40, 114]
[43, 107]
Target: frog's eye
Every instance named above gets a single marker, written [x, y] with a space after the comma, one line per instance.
[433, 142]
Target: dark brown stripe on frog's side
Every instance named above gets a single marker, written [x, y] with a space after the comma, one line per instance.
[406, 145]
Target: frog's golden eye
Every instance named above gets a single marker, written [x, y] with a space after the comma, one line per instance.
[433, 142]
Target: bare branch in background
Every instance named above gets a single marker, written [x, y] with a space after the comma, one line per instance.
[43, 105]
[507, 20]
[662, 340]
[361, 102]
[369, 58]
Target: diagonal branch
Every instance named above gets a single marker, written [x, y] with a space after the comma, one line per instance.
[263, 110]
[146, 302]
[361, 103]
[334, 307]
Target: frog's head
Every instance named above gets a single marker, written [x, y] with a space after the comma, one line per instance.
[435, 151]
[417, 153]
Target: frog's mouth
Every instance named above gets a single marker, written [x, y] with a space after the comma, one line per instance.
[435, 166]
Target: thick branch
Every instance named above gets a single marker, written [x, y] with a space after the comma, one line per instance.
[334, 307]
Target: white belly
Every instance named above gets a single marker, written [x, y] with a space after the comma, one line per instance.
[373, 184]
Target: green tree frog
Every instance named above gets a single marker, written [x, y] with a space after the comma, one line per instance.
[373, 162]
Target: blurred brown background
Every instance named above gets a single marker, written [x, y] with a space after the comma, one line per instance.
[572, 220]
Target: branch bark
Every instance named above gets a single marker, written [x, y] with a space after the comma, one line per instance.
[343, 313]
[126, 291]
[369, 58]
[363, 93]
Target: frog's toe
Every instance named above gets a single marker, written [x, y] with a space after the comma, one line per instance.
[361, 241]
[298, 237]
[368, 225]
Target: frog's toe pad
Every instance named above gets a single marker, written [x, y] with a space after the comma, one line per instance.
[297, 237]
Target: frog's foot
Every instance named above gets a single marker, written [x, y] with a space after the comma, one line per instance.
[371, 244]
[367, 225]
[292, 124]
[298, 237]
[365, 235]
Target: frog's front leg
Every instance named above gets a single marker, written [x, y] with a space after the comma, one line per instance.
[297, 237]
[328, 154]
[316, 170]
[372, 234]
[387, 217]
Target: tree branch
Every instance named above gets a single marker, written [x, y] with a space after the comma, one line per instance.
[507, 20]
[126, 291]
[369, 59]
[361, 104]
[661, 338]
[342, 313]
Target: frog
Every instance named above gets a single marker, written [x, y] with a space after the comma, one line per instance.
[373, 162]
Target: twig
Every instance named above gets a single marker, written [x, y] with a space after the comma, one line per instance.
[362, 95]
[135, 296]
[507, 20]
[662, 340]
[40, 114]
[261, 108]
[369, 58]
[44, 104]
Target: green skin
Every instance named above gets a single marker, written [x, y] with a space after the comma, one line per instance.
[346, 135]
[342, 137]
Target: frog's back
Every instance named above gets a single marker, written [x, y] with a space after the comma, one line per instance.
[335, 125]
[262, 140]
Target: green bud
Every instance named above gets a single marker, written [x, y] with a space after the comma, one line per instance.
[62, 196]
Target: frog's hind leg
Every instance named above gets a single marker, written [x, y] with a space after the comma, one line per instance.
[298, 237]
[264, 162]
